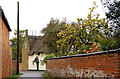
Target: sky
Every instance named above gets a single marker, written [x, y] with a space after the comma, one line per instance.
[34, 15]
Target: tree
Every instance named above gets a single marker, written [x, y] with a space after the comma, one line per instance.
[80, 36]
[112, 13]
[13, 42]
[113, 19]
[50, 34]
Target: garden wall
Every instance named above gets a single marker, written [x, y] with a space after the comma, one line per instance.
[99, 64]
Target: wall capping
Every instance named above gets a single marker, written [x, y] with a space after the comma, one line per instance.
[89, 54]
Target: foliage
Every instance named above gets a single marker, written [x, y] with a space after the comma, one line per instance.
[116, 38]
[83, 34]
[74, 38]
[48, 56]
[15, 76]
[113, 13]
[13, 42]
[96, 47]
[45, 76]
[72, 53]
[50, 36]
[108, 44]
[113, 18]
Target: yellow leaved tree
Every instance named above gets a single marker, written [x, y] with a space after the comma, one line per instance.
[82, 34]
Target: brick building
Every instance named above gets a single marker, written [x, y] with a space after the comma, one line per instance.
[24, 64]
[33, 53]
[5, 49]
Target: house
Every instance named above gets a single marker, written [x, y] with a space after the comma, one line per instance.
[5, 49]
[33, 53]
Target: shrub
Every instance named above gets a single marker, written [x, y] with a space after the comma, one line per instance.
[108, 44]
[72, 53]
[48, 56]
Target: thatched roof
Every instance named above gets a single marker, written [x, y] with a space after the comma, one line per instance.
[36, 45]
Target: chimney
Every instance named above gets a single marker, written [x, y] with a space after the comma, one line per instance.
[26, 32]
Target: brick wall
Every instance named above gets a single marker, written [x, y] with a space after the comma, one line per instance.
[99, 64]
[25, 50]
[0, 47]
[5, 50]
[10, 63]
[14, 66]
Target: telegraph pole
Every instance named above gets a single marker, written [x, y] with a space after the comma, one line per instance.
[17, 38]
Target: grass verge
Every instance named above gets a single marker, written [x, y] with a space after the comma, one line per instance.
[14, 76]
[45, 76]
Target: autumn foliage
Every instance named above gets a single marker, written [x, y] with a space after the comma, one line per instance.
[87, 35]
[81, 34]
[94, 48]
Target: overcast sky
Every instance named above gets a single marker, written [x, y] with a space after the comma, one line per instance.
[36, 14]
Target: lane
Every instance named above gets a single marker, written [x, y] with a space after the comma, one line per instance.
[31, 75]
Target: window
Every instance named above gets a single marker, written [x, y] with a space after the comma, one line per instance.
[25, 45]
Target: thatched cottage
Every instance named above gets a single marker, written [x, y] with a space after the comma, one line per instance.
[33, 53]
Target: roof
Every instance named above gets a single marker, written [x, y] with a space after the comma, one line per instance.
[36, 45]
[4, 19]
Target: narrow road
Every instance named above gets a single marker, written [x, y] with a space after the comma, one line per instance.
[31, 75]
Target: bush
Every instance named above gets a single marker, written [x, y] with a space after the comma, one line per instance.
[72, 53]
[48, 56]
[84, 47]
[108, 44]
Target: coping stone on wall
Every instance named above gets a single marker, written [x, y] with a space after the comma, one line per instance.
[89, 54]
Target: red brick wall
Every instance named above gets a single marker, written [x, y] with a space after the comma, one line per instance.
[5, 51]
[10, 62]
[0, 48]
[93, 65]
[14, 66]
[24, 64]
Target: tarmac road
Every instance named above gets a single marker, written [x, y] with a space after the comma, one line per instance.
[31, 75]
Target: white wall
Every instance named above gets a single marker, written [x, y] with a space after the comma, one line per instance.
[32, 66]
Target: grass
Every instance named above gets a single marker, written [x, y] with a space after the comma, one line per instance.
[45, 76]
[14, 76]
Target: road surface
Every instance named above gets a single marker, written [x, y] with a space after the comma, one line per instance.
[31, 75]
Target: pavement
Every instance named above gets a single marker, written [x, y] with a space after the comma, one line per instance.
[31, 75]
